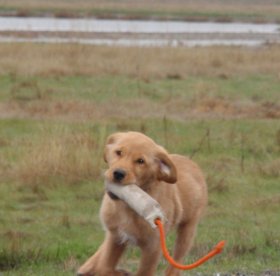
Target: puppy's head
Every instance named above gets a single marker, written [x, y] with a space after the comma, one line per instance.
[134, 158]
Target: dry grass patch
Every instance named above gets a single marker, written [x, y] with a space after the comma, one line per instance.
[270, 169]
[268, 202]
[58, 158]
[228, 108]
[178, 109]
[141, 63]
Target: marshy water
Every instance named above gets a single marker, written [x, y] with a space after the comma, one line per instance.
[136, 32]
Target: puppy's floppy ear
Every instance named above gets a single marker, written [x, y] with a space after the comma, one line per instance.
[112, 139]
[167, 170]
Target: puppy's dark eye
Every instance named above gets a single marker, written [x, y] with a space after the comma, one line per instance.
[118, 152]
[140, 161]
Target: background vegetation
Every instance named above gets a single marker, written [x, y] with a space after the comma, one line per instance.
[219, 105]
[199, 10]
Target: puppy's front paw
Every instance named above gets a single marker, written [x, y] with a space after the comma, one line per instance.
[83, 272]
[123, 273]
[120, 272]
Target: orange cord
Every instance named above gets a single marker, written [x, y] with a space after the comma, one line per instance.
[218, 249]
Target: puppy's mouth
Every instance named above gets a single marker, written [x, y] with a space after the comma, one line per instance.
[112, 196]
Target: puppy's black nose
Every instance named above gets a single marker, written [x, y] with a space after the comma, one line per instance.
[119, 174]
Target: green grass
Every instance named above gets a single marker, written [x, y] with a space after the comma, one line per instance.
[52, 133]
[101, 89]
[53, 226]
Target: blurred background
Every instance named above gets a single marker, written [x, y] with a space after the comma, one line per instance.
[202, 78]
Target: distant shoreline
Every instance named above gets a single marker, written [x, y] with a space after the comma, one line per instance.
[187, 18]
[179, 11]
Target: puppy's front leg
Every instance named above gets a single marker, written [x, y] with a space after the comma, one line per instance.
[149, 259]
[104, 261]
[185, 236]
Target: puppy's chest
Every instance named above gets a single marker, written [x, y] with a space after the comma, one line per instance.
[125, 237]
[132, 229]
[136, 234]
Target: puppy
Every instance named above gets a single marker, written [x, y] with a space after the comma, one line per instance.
[173, 180]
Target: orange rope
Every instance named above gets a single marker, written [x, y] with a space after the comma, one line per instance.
[218, 249]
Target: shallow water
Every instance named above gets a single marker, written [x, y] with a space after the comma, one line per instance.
[121, 27]
[126, 26]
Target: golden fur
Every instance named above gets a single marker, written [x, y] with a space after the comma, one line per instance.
[173, 180]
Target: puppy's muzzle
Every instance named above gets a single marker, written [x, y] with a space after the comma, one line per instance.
[119, 175]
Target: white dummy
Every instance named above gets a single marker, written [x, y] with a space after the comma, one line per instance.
[138, 200]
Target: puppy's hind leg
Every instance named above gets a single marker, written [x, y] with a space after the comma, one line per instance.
[105, 260]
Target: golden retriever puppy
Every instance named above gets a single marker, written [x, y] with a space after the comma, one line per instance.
[173, 180]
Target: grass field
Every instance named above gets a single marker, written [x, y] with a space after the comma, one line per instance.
[199, 10]
[219, 105]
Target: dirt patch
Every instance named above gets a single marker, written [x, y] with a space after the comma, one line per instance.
[140, 108]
